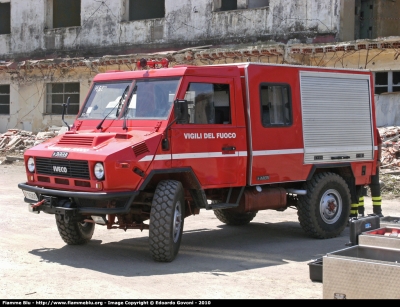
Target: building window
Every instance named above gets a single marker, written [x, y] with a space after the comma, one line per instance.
[387, 82]
[5, 20]
[5, 99]
[276, 106]
[253, 4]
[66, 13]
[208, 103]
[146, 9]
[58, 93]
[229, 5]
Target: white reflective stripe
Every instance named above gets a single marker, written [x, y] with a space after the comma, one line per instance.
[194, 155]
[375, 147]
[162, 157]
[277, 152]
[157, 157]
[146, 158]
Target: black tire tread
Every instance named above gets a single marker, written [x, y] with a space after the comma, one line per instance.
[306, 209]
[73, 233]
[160, 220]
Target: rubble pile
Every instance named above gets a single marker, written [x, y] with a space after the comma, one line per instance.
[16, 141]
[390, 158]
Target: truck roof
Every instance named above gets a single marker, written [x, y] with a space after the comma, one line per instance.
[176, 71]
[221, 70]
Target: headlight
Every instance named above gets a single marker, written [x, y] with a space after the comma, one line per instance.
[31, 164]
[99, 170]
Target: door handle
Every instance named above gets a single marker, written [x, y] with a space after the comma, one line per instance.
[228, 148]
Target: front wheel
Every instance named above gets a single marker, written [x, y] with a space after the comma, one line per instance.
[166, 220]
[74, 233]
[324, 211]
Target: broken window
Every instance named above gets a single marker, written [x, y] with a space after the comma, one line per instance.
[66, 13]
[228, 5]
[5, 21]
[208, 103]
[146, 9]
[5, 99]
[387, 82]
[58, 93]
[276, 105]
[365, 18]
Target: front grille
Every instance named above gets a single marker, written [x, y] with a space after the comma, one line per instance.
[65, 168]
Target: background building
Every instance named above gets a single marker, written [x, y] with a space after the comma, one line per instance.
[51, 49]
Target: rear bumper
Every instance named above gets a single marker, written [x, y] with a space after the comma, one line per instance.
[51, 200]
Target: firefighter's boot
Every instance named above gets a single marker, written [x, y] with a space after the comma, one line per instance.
[377, 210]
[376, 199]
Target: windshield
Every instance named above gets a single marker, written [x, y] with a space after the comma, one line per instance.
[149, 99]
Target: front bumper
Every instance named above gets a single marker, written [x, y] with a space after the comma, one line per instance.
[51, 203]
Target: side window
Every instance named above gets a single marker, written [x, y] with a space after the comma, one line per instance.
[208, 103]
[229, 5]
[4, 99]
[63, 13]
[5, 17]
[387, 81]
[276, 105]
[146, 9]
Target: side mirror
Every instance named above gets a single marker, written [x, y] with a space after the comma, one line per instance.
[181, 111]
[64, 109]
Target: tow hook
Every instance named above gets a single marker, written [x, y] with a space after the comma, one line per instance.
[38, 204]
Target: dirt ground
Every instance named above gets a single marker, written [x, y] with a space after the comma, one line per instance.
[267, 259]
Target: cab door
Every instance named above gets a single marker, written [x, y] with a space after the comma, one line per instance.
[209, 142]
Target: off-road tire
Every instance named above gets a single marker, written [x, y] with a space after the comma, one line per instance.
[166, 220]
[74, 233]
[324, 211]
[233, 218]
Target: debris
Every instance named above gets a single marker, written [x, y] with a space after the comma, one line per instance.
[390, 159]
[16, 141]
[12, 158]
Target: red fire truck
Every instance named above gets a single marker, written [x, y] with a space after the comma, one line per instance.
[153, 146]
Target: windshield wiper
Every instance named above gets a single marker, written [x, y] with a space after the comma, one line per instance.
[119, 106]
[127, 106]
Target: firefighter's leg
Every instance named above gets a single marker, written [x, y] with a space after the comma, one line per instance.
[361, 208]
[354, 209]
[376, 194]
[354, 202]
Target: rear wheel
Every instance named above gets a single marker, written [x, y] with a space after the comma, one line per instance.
[324, 211]
[233, 218]
[74, 233]
[166, 220]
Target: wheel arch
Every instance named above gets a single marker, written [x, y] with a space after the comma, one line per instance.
[342, 169]
[185, 175]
